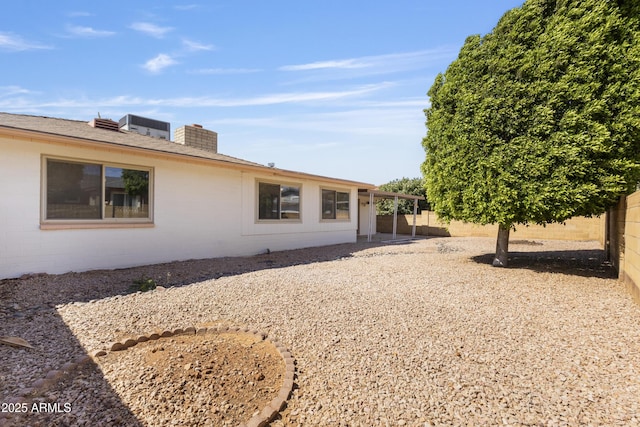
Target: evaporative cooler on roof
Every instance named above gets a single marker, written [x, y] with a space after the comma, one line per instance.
[145, 126]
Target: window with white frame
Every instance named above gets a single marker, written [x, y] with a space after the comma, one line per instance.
[278, 201]
[335, 204]
[79, 190]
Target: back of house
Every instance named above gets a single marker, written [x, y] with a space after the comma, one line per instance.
[102, 194]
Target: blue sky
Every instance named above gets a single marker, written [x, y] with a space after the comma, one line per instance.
[333, 88]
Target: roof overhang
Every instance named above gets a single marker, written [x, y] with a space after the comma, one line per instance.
[379, 194]
[51, 138]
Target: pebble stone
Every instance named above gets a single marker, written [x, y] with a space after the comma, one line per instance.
[424, 333]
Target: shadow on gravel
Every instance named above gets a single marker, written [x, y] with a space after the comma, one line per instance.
[98, 284]
[28, 310]
[585, 263]
[68, 402]
[45, 385]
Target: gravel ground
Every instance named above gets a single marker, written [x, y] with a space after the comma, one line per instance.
[423, 333]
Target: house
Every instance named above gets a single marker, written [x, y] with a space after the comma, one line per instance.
[91, 195]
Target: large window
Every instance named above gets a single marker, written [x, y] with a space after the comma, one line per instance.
[278, 202]
[335, 204]
[93, 191]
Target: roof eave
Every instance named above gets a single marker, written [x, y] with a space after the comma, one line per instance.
[46, 137]
[389, 194]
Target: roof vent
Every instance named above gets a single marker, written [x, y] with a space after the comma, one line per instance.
[107, 124]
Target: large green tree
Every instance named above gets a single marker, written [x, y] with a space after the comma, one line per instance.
[539, 120]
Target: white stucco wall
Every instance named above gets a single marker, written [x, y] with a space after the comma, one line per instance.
[200, 211]
[311, 231]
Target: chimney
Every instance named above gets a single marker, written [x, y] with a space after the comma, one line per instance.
[107, 124]
[198, 137]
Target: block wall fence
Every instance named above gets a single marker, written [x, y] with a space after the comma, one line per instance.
[428, 224]
[623, 248]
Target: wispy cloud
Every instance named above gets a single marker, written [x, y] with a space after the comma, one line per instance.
[283, 144]
[193, 46]
[344, 64]
[300, 97]
[13, 91]
[186, 7]
[269, 99]
[150, 29]
[77, 14]
[159, 63]
[218, 71]
[88, 32]
[420, 103]
[126, 101]
[372, 65]
[391, 121]
[15, 43]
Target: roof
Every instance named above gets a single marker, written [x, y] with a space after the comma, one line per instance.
[83, 132]
[389, 195]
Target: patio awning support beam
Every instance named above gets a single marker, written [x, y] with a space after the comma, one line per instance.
[415, 214]
[395, 216]
[372, 213]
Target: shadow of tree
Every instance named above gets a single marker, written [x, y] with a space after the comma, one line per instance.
[585, 263]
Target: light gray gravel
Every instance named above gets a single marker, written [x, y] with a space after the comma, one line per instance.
[424, 333]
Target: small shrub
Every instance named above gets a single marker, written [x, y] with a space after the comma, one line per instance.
[144, 284]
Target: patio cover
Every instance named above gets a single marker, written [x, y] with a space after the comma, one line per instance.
[379, 194]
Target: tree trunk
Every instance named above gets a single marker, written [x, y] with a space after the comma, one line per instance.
[502, 247]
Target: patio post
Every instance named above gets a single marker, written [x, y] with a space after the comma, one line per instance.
[372, 211]
[395, 217]
[415, 213]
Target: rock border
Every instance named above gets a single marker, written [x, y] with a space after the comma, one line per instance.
[266, 415]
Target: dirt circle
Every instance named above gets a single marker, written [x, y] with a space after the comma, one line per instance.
[213, 379]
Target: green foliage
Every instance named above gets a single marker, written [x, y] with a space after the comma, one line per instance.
[414, 186]
[539, 120]
[136, 182]
[143, 284]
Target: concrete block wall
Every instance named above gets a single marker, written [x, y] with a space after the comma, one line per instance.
[428, 224]
[615, 234]
[626, 250]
